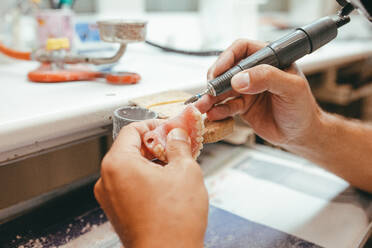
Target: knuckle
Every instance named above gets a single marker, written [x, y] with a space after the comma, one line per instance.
[129, 127]
[119, 168]
[239, 104]
[244, 105]
[265, 71]
[235, 106]
[172, 147]
[106, 162]
[132, 126]
[178, 147]
[109, 166]
[97, 190]
[300, 84]
[226, 108]
[196, 172]
[186, 163]
[210, 71]
[189, 163]
[239, 42]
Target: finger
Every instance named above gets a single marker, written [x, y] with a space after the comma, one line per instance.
[265, 78]
[129, 139]
[102, 197]
[207, 101]
[108, 205]
[233, 54]
[178, 146]
[147, 125]
[98, 191]
[231, 108]
[295, 70]
[126, 153]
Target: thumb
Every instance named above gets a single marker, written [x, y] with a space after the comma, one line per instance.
[265, 78]
[178, 145]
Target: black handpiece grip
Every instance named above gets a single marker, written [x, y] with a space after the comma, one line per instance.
[281, 53]
[222, 84]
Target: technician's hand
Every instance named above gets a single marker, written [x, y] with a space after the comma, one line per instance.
[151, 205]
[277, 104]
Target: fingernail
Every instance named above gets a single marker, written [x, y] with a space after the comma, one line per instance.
[179, 134]
[241, 81]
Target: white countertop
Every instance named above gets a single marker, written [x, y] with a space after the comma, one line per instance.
[32, 113]
[37, 116]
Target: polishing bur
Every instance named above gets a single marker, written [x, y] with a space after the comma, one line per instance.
[196, 97]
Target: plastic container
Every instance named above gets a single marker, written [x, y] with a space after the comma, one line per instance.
[54, 24]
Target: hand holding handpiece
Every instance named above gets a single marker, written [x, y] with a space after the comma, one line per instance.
[277, 104]
[280, 107]
[280, 53]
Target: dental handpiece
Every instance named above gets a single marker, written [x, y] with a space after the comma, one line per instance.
[281, 53]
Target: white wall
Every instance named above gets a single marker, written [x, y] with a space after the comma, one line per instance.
[171, 5]
[119, 6]
[4, 4]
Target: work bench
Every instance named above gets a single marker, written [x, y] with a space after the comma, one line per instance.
[36, 117]
[66, 126]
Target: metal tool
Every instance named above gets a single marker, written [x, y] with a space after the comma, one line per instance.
[283, 52]
[59, 64]
[125, 115]
[113, 31]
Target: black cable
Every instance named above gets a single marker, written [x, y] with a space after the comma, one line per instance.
[341, 21]
[346, 10]
[185, 52]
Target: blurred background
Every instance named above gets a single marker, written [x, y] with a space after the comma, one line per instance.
[340, 73]
[193, 25]
[219, 22]
[188, 25]
[215, 24]
[89, 6]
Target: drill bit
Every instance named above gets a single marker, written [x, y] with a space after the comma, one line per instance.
[196, 97]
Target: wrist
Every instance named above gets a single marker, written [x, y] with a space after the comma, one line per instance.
[165, 244]
[315, 137]
[168, 242]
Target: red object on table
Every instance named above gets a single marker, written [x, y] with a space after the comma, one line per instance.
[46, 74]
[123, 78]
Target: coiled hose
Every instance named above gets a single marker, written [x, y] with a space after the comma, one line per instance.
[14, 53]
